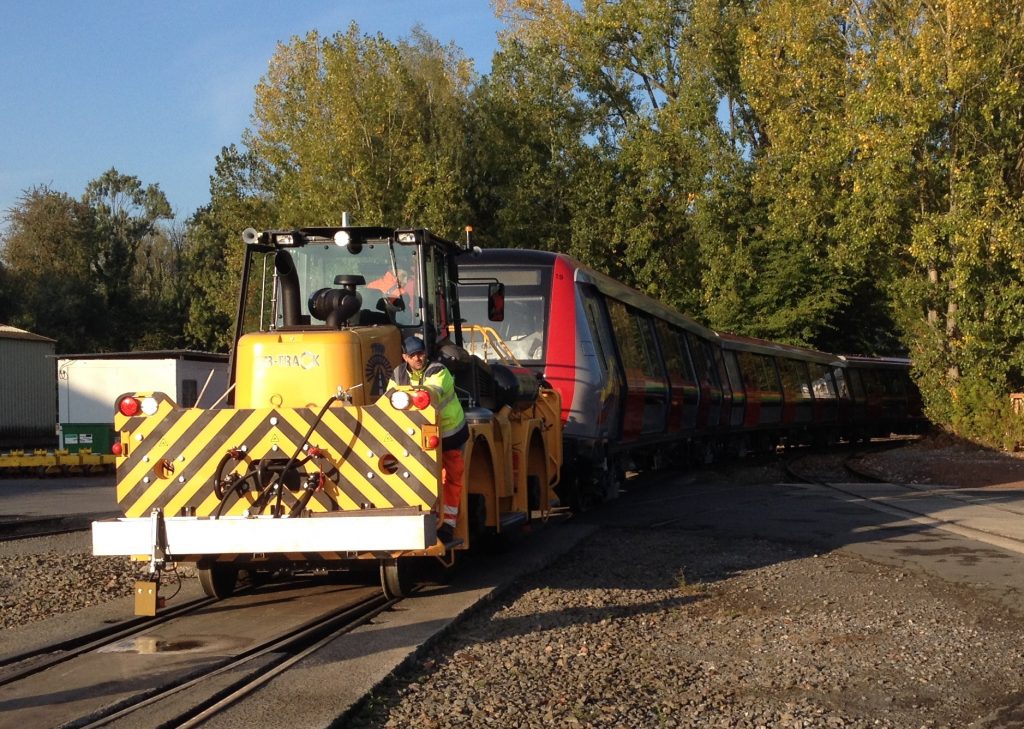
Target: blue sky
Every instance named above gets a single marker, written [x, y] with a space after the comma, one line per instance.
[156, 89]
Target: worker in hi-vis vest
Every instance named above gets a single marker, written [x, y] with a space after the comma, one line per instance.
[417, 371]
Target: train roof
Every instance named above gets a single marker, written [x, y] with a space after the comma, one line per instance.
[583, 273]
[861, 360]
[763, 346]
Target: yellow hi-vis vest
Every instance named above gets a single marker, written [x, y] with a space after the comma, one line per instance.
[439, 380]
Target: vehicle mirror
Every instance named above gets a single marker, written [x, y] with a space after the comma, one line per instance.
[496, 301]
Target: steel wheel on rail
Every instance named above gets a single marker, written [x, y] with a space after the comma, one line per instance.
[396, 578]
[218, 581]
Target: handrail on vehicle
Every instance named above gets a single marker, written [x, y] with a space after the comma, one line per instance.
[483, 340]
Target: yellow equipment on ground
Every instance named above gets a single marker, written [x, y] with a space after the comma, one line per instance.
[41, 462]
[310, 462]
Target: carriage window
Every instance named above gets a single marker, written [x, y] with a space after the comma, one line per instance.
[842, 387]
[759, 370]
[700, 363]
[732, 367]
[709, 357]
[599, 332]
[524, 329]
[652, 359]
[821, 382]
[674, 351]
[769, 375]
[723, 372]
[795, 381]
[855, 383]
[630, 347]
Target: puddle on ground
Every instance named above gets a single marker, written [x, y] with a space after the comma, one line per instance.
[150, 644]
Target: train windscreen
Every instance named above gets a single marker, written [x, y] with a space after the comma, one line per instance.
[526, 305]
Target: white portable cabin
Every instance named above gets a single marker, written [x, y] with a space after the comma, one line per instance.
[28, 403]
[89, 385]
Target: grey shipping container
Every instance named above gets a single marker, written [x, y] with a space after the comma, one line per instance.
[28, 390]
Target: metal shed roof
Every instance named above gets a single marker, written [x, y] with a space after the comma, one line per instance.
[184, 354]
[9, 332]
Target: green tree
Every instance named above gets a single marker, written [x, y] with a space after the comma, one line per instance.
[127, 219]
[360, 124]
[526, 132]
[651, 84]
[239, 199]
[958, 66]
[810, 279]
[47, 254]
[159, 286]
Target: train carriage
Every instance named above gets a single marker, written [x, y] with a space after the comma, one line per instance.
[634, 375]
[882, 398]
[790, 390]
[640, 381]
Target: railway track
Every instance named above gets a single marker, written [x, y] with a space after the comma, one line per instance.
[184, 667]
[22, 665]
[968, 514]
[12, 529]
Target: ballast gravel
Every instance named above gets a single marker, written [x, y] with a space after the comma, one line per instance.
[662, 628]
[46, 576]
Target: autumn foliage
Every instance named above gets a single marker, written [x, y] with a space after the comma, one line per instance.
[841, 174]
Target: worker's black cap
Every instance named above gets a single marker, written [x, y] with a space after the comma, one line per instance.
[412, 345]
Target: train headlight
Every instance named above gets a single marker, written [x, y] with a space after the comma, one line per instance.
[149, 406]
[401, 400]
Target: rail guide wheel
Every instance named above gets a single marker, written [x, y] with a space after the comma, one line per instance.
[396, 578]
[218, 581]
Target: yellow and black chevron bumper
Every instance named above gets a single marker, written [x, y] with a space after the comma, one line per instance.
[298, 480]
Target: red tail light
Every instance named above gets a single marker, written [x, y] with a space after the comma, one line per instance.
[116, 449]
[129, 406]
[432, 442]
[420, 399]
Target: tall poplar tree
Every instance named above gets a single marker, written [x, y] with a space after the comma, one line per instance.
[951, 80]
[127, 217]
[358, 123]
[653, 89]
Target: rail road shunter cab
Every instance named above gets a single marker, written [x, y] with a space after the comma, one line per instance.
[308, 460]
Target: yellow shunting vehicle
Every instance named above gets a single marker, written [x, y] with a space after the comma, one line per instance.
[308, 461]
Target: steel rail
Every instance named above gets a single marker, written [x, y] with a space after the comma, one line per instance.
[66, 650]
[307, 639]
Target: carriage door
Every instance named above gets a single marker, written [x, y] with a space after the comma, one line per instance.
[646, 401]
